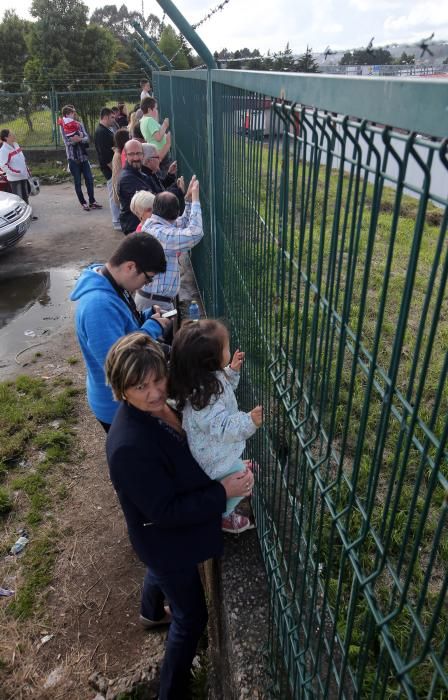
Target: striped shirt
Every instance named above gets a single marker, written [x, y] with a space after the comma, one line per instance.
[176, 238]
[76, 151]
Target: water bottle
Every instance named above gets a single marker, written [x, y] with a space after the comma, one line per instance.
[193, 311]
[18, 546]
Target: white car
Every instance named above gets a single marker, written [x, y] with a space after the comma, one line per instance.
[15, 219]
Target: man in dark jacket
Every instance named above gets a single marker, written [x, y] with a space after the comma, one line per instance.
[104, 141]
[131, 180]
[158, 183]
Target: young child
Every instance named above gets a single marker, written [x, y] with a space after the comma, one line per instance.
[203, 381]
[71, 127]
[68, 123]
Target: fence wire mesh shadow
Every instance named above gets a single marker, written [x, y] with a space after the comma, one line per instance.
[331, 264]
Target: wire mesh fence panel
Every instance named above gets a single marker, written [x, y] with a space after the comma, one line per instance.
[184, 102]
[29, 117]
[88, 104]
[331, 265]
[33, 117]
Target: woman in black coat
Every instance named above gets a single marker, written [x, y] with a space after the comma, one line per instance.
[172, 509]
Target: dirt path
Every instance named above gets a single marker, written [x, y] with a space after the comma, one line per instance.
[64, 233]
[92, 604]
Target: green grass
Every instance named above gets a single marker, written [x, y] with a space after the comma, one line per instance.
[5, 502]
[258, 275]
[37, 571]
[41, 134]
[32, 453]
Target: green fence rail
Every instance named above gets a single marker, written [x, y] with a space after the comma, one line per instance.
[33, 118]
[325, 207]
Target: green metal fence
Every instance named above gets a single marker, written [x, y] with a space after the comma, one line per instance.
[326, 250]
[33, 117]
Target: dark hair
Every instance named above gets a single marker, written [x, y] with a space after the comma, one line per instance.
[143, 81]
[4, 133]
[68, 109]
[121, 137]
[196, 355]
[142, 249]
[148, 103]
[105, 112]
[115, 110]
[137, 132]
[166, 205]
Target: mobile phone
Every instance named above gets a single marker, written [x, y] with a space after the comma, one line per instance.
[168, 314]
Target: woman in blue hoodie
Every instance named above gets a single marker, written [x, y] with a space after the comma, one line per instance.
[106, 311]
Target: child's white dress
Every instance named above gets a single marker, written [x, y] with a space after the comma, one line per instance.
[217, 434]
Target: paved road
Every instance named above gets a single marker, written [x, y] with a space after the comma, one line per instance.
[64, 235]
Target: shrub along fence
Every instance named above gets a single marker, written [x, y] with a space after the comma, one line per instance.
[325, 208]
[33, 117]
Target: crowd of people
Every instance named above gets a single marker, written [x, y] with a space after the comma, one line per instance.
[166, 400]
[164, 394]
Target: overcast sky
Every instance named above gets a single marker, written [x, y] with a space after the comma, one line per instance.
[265, 24]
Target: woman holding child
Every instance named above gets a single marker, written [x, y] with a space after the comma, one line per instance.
[172, 508]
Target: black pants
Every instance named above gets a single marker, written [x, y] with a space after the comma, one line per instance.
[20, 188]
[106, 426]
[185, 594]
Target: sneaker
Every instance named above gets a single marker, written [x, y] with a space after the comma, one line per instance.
[95, 205]
[152, 624]
[85, 207]
[235, 523]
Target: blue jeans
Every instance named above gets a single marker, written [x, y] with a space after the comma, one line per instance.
[78, 168]
[184, 592]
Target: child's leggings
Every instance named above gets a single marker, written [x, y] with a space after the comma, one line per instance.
[232, 503]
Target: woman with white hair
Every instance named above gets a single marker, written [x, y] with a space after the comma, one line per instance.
[141, 205]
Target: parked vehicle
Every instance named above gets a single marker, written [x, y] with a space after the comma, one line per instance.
[15, 219]
[4, 184]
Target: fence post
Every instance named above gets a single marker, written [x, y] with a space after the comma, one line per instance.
[54, 115]
[189, 33]
[153, 45]
[216, 311]
[144, 56]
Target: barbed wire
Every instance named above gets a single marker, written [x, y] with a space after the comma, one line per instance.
[210, 14]
[369, 49]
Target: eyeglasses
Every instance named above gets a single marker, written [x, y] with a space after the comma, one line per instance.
[148, 278]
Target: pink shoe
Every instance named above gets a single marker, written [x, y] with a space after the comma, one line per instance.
[236, 523]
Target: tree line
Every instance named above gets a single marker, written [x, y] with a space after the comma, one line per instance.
[278, 61]
[64, 49]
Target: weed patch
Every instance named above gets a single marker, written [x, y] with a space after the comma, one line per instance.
[37, 570]
[35, 437]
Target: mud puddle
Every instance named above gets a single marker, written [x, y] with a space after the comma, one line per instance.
[33, 308]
